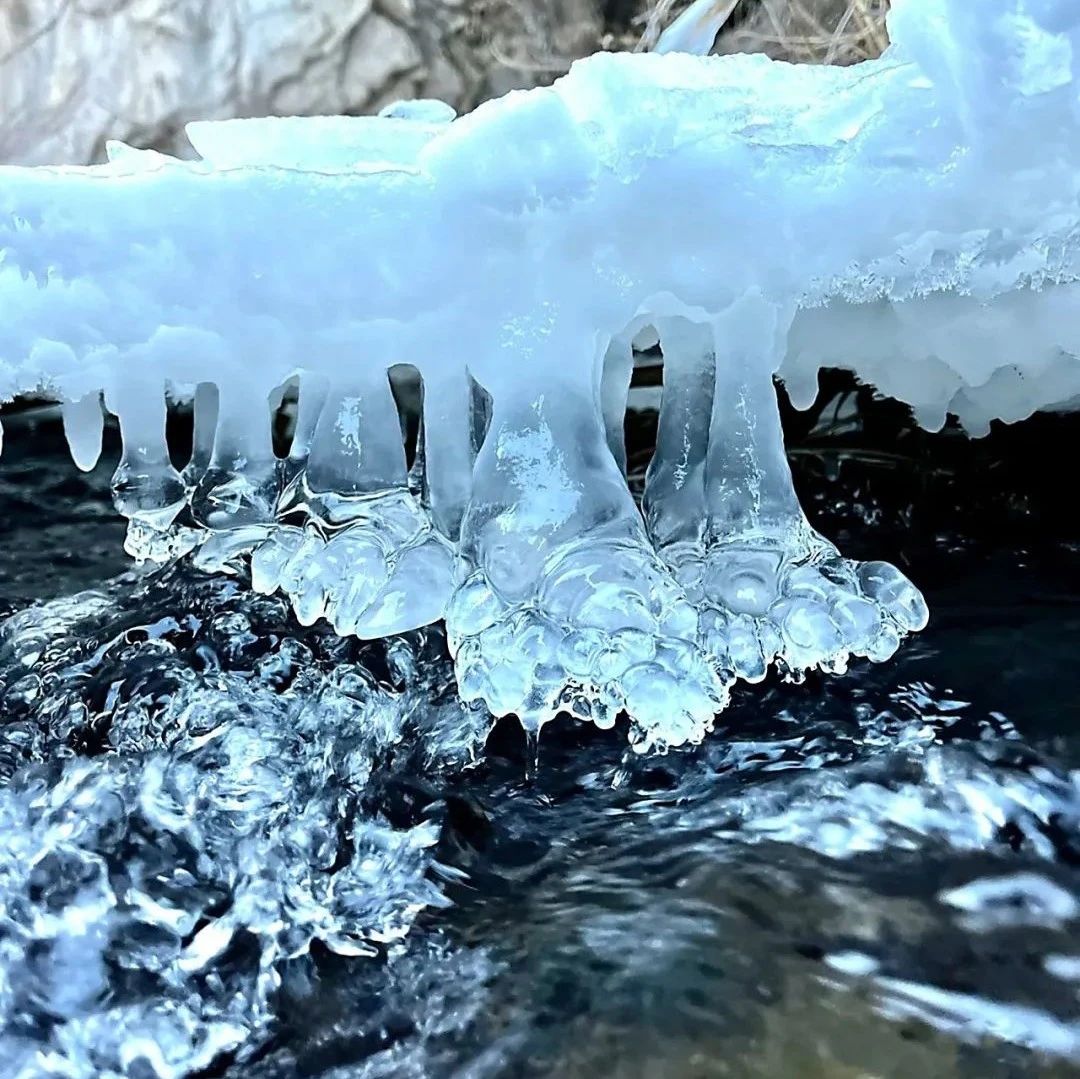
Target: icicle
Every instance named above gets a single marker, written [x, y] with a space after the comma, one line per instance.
[566, 592]
[310, 400]
[748, 484]
[446, 444]
[368, 559]
[204, 424]
[356, 450]
[407, 389]
[617, 370]
[240, 484]
[801, 385]
[675, 484]
[767, 586]
[83, 426]
[146, 487]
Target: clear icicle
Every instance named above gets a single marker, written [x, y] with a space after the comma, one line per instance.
[615, 378]
[204, 415]
[311, 395]
[240, 485]
[675, 484]
[146, 486]
[356, 449]
[84, 423]
[446, 448]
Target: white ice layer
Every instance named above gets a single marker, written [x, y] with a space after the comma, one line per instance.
[913, 218]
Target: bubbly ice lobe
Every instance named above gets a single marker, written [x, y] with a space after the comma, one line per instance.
[511, 258]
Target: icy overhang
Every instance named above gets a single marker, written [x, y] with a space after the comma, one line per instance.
[914, 218]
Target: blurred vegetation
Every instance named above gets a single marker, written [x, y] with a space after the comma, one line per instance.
[800, 31]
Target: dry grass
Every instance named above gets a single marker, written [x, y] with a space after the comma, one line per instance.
[541, 39]
[803, 31]
[811, 31]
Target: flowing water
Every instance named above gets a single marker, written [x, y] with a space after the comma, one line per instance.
[230, 846]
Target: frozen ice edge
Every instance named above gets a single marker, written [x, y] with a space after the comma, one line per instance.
[494, 251]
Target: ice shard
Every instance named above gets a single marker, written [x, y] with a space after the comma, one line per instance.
[913, 218]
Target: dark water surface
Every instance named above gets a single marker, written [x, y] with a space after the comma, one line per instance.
[232, 846]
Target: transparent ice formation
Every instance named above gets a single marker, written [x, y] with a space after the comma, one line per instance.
[912, 218]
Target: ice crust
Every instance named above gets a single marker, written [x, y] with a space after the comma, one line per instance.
[913, 218]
